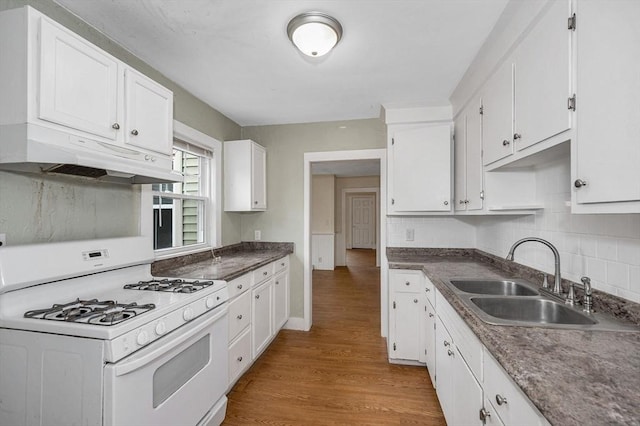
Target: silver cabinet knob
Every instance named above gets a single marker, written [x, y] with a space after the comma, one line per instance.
[506, 142]
[500, 399]
[446, 203]
[430, 315]
[517, 136]
[239, 286]
[239, 316]
[257, 296]
[484, 414]
[579, 183]
[407, 283]
[427, 290]
[239, 359]
[134, 132]
[415, 300]
[115, 126]
[277, 282]
[447, 343]
[450, 352]
[265, 273]
[255, 202]
[282, 264]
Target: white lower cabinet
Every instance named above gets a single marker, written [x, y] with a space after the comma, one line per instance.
[406, 341]
[261, 312]
[258, 309]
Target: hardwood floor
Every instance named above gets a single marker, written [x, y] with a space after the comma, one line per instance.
[338, 372]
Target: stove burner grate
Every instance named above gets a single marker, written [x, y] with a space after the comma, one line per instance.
[170, 285]
[93, 311]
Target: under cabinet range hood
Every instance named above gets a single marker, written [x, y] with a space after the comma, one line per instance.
[37, 149]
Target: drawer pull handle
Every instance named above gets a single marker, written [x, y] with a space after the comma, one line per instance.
[257, 296]
[430, 315]
[415, 300]
[407, 283]
[239, 316]
[427, 290]
[446, 343]
[449, 352]
[134, 132]
[239, 286]
[115, 126]
[282, 264]
[500, 399]
[265, 273]
[239, 359]
[484, 414]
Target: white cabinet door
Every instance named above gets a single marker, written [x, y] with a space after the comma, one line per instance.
[467, 393]
[474, 182]
[280, 299]
[542, 78]
[444, 371]
[261, 314]
[607, 111]
[420, 168]
[407, 308]
[497, 118]
[149, 107]
[430, 341]
[460, 162]
[78, 83]
[258, 176]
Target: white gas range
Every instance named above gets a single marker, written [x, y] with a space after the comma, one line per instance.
[88, 336]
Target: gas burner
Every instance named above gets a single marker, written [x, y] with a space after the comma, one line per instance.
[173, 285]
[91, 311]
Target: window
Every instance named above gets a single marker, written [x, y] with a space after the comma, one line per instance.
[186, 215]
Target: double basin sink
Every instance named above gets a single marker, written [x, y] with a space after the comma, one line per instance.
[519, 303]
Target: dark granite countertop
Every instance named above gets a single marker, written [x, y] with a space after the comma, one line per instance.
[236, 260]
[573, 377]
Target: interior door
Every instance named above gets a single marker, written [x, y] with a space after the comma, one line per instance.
[363, 221]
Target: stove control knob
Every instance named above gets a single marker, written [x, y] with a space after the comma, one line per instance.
[143, 338]
[161, 328]
[187, 314]
[210, 303]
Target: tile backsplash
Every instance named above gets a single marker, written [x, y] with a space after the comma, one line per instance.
[605, 247]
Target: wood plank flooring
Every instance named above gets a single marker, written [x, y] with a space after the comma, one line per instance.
[337, 373]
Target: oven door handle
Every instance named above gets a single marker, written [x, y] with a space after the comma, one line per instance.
[145, 357]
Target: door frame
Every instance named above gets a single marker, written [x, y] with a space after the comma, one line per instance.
[364, 154]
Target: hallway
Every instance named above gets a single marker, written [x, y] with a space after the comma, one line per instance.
[338, 372]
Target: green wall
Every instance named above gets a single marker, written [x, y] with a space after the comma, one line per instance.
[286, 146]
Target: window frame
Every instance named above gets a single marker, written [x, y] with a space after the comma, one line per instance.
[213, 218]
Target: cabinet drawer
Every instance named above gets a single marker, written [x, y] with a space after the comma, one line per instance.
[263, 273]
[239, 356]
[407, 281]
[465, 340]
[239, 285]
[239, 314]
[508, 400]
[281, 264]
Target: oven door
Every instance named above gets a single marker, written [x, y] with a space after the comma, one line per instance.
[175, 380]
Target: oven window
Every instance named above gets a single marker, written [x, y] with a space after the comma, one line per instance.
[179, 370]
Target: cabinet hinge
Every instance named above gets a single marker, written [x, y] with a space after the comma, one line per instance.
[481, 110]
[482, 195]
[571, 103]
[394, 346]
[571, 24]
[393, 201]
[393, 141]
[394, 305]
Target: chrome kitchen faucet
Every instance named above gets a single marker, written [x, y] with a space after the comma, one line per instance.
[557, 289]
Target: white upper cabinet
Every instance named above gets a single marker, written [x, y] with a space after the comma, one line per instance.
[526, 101]
[498, 115]
[542, 78]
[78, 83]
[606, 151]
[468, 158]
[245, 180]
[149, 122]
[419, 168]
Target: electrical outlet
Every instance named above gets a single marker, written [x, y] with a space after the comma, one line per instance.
[410, 234]
[3, 240]
[257, 235]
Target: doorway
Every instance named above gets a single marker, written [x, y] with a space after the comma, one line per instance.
[331, 158]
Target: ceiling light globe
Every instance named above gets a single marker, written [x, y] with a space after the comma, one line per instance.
[314, 33]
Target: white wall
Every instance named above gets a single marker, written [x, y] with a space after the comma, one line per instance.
[322, 204]
[431, 232]
[604, 247]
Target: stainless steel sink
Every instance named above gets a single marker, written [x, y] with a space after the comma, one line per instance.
[495, 287]
[539, 311]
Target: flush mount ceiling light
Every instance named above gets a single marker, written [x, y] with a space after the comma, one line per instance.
[314, 33]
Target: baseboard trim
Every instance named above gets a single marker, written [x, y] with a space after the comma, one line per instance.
[295, 323]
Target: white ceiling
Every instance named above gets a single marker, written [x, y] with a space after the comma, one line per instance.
[347, 168]
[235, 55]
